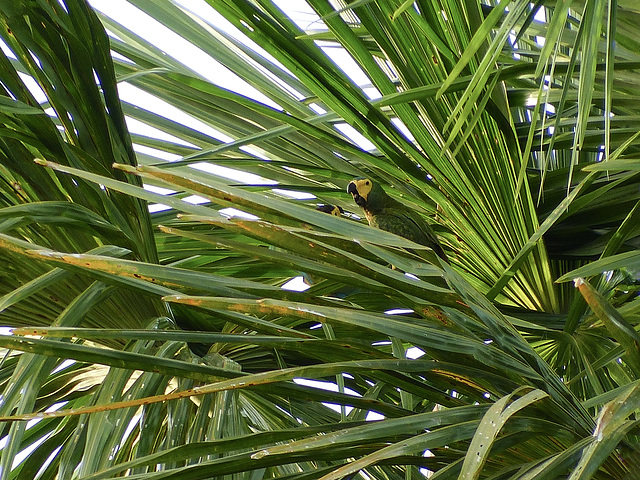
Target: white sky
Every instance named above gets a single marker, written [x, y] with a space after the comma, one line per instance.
[174, 45]
[210, 69]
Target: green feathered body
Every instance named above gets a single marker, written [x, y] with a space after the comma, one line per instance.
[387, 214]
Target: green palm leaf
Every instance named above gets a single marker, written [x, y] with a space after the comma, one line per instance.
[163, 345]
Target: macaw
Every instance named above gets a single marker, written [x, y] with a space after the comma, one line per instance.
[388, 214]
[331, 209]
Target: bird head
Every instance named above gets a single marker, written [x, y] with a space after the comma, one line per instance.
[331, 209]
[360, 188]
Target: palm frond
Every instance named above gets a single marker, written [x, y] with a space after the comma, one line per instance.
[169, 344]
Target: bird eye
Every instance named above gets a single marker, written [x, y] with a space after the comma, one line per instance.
[367, 182]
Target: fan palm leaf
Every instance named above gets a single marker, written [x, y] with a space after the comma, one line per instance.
[157, 345]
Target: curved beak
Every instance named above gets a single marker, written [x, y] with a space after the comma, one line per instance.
[353, 190]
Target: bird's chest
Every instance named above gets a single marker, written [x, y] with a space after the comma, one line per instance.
[382, 219]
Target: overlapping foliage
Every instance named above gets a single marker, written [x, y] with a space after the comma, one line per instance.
[187, 353]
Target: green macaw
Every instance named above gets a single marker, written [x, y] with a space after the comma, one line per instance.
[388, 214]
[335, 210]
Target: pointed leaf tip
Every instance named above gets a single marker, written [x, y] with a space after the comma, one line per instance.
[125, 168]
[173, 298]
